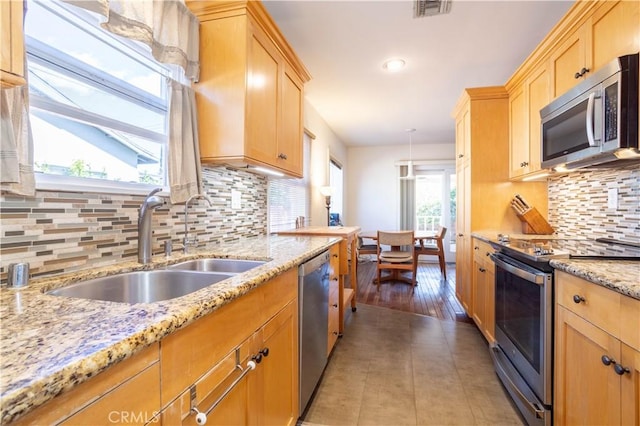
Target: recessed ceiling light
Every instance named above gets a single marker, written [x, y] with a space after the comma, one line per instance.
[393, 65]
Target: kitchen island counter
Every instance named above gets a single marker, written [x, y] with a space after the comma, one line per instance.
[50, 344]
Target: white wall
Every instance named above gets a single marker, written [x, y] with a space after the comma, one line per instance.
[326, 145]
[372, 185]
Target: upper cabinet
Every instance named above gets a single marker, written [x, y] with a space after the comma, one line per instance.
[608, 30]
[525, 102]
[251, 90]
[12, 47]
[589, 36]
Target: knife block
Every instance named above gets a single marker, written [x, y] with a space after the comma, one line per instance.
[534, 223]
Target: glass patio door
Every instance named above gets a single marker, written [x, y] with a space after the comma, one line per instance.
[435, 204]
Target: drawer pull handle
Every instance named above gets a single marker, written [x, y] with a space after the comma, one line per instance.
[482, 270]
[335, 305]
[577, 298]
[620, 370]
[201, 416]
[607, 361]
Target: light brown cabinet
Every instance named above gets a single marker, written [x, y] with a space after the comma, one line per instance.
[483, 283]
[483, 190]
[333, 331]
[597, 354]
[128, 393]
[525, 102]
[12, 46]
[589, 36]
[608, 29]
[201, 362]
[251, 89]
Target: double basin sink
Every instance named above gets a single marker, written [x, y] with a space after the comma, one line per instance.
[153, 286]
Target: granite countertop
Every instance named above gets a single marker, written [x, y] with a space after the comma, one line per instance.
[50, 344]
[622, 276]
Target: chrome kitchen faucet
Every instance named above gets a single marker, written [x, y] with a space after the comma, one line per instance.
[150, 203]
[191, 241]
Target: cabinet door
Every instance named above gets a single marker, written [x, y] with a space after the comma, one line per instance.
[538, 96]
[262, 98]
[479, 294]
[586, 390]
[569, 59]
[614, 31]
[463, 242]
[289, 152]
[276, 382]
[12, 46]
[518, 132]
[630, 386]
[231, 410]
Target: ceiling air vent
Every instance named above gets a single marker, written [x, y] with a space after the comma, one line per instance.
[430, 7]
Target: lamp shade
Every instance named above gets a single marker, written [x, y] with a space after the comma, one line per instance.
[326, 191]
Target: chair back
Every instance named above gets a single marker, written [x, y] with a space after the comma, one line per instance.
[402, 239]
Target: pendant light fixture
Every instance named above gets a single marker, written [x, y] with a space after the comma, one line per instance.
[410, 175]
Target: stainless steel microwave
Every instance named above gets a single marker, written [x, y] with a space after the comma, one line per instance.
[596, 121]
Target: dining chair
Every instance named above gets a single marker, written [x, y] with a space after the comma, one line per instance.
[398, 258]
[366, 248]
[436, 249]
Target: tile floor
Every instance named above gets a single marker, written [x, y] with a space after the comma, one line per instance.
[397, 368]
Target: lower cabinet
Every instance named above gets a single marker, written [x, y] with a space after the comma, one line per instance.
[127, 393]
[333, 330]
[483, 289]
[243, 355]
[255, 383]
[597, 358]
[239, 365]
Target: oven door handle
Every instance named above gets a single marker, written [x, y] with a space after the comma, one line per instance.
[534, 408]
[522, 271]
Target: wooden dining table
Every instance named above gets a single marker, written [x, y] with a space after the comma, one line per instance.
[420, 237]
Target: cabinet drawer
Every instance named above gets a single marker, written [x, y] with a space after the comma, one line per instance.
[209, 388]
[481, 252]
[132, 386]
[134, 402]
[598, 305]
[278, 292]
[187, 354]
[630, 321]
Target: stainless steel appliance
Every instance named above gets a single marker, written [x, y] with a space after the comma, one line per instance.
[523, 353]
[313, 315]
[596, 121]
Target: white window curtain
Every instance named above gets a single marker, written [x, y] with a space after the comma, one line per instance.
[407, 201]
[167, 26]
[185, 176]
[16, 150]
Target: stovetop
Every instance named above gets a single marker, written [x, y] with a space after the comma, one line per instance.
[543, 249]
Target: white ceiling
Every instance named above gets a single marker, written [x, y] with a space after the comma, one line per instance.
[343, 44]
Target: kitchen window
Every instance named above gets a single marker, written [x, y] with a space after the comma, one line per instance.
[289, 199]
[98, 104]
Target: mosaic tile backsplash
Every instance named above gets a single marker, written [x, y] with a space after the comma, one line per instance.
[65, 231]
[578, 203]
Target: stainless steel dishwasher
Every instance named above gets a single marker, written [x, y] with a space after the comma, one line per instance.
[313, 314]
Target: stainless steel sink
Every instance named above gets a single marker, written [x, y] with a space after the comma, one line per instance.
[141, 286]
[218, 265]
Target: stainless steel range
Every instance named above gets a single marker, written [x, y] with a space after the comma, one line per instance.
[523, 353]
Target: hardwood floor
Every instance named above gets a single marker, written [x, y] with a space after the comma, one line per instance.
[433, 296]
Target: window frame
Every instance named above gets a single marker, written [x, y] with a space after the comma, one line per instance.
[52, 58]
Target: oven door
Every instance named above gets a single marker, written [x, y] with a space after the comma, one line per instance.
[524, 323]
